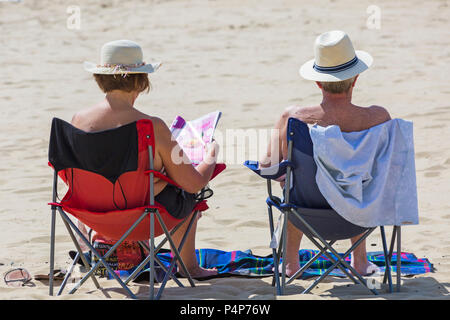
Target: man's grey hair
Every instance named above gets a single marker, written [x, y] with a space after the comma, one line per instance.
[338, 86]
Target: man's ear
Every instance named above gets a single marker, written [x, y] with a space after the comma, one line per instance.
[354, 81]
[319, 84]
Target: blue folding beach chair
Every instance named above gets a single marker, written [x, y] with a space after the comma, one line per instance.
[310, 212]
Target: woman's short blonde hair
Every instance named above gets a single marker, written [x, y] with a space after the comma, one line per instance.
[338, 86]
[130, 82]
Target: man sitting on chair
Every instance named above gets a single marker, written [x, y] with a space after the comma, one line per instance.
[335, 70]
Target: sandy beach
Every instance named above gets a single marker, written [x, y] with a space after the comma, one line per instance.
[239, 57]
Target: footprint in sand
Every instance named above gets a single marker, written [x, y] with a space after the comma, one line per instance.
[434, 171]
[436, 112]
[423, 154]
[33, 190]
[436, 126]
[53, 109]
[203, 102]
[252, 224]
[223, 220]
[249, 106]
[432, 174]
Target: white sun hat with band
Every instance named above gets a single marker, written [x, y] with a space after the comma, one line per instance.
[335, 59]
[121, 57]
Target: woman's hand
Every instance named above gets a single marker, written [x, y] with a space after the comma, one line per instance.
[211, 152]
[191, 179]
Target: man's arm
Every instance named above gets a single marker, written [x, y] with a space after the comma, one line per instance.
[277, 148]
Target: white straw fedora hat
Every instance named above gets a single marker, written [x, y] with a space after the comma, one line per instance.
[121, 57]
[335, 59]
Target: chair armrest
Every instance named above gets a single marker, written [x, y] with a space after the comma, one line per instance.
[272, 173]
[218, 169]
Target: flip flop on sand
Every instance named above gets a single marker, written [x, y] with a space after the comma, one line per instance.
[58, 274]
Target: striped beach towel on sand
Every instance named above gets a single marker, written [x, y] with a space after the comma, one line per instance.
[244, 263]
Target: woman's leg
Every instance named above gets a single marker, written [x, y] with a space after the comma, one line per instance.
[188, 251]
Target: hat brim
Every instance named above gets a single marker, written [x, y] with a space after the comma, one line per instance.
[364, 62]
[146, 68]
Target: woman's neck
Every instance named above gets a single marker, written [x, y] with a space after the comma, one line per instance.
[118, 99]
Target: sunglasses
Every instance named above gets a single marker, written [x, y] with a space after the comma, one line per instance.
[204, 194]
[17, 277]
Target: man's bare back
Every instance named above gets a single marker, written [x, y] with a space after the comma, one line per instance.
[348, 117]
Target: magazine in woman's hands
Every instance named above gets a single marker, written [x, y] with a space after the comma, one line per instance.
[193, 136]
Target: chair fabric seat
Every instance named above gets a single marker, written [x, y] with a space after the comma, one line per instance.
[327, 222]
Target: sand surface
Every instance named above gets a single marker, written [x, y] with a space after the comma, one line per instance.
[240, 57]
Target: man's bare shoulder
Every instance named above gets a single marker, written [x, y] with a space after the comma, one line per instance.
[304, 113]
[379, 114]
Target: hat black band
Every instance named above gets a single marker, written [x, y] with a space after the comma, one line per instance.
[338, 68]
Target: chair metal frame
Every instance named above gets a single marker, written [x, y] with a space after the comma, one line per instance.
[150, 210]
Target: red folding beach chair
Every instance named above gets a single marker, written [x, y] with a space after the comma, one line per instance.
[110, 177]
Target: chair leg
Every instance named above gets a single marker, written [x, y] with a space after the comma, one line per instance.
[310, 262]
[80, 252]
[396, 235]
[386, 259]
[52, 251]
[68, 274]
[284, 242]
[275, 279]
[101, 258]
[399, 258]
[147, 259]
[339, 262]
[152, 255]
[176, 252]
[391, 250]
